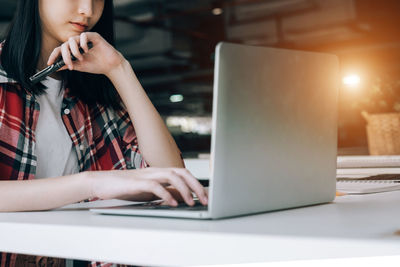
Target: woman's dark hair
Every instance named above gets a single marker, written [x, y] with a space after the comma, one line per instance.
[21, 51]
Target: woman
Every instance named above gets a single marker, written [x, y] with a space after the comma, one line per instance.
[92, 115]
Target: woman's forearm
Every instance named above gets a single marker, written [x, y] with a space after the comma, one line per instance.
[50, 193]
[155, 141]
[43, 194]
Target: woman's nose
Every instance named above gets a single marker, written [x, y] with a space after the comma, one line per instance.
[86, 7]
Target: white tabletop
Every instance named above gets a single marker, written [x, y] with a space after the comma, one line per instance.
[351, 226]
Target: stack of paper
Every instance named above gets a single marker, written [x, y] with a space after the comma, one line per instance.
[368, 174]
[367, 161]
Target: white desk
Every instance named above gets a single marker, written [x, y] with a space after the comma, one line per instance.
[352, 226]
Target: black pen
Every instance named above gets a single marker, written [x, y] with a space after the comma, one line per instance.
[55, 67]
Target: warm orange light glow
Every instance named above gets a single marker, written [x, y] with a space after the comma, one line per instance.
[217, 11]
[351, 80]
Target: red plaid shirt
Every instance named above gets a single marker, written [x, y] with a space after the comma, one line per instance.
[103, 138]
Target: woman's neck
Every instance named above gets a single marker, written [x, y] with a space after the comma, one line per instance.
[46, 49]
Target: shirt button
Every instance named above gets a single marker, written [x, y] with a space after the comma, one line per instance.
[66, 111]
[81, 147]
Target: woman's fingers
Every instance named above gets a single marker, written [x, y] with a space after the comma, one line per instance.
[178, 182]
[166, 178]
[194, 184]
[67, 49]
[183, 181]
[75, 48]
[83, 39]
[160, 191]
[66, 54]
[54, 55]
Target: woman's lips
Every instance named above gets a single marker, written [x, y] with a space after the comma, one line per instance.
[78, 26]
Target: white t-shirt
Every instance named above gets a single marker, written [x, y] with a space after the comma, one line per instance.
[54, 150]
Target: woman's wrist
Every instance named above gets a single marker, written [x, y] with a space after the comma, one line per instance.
[125, 81]
[119, 70]
[88, 181]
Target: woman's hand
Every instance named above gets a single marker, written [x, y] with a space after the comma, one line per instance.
[100, 59]
[128, 184]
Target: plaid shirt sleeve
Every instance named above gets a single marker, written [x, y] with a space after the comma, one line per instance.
[130, 147]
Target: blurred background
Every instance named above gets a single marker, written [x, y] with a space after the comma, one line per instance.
[170, 44]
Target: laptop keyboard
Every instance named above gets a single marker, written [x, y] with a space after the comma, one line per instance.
[157, 206]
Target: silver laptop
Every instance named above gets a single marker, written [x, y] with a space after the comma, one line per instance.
[274, 134]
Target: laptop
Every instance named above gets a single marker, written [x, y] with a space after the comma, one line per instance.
[274, 134]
